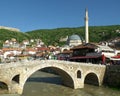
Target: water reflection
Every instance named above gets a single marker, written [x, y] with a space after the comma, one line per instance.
[52, 80]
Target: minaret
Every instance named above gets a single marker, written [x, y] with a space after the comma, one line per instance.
[86, 27]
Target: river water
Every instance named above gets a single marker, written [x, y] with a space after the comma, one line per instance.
[46, 84]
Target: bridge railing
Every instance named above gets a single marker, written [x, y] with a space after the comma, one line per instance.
[28, 62]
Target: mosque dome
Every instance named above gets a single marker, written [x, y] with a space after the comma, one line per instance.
[74, 37]
[74, 40]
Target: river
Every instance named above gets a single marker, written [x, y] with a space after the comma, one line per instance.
[46, 84]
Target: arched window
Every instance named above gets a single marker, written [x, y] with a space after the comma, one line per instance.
[16, 78]
[78, 74]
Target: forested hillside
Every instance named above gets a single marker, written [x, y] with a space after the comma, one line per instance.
[97, 33]
[53, 36]
[7, 35]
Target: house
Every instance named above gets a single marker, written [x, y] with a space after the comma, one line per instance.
[86, 53]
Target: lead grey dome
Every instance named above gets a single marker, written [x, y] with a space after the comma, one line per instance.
[74, 37]
[74, 40]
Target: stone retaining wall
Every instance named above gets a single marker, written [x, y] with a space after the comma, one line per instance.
[112, 76]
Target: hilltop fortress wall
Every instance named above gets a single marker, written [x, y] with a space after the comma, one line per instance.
[10, 28]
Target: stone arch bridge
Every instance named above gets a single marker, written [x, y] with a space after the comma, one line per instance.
[73, 74]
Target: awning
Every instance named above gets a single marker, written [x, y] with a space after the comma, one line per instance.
[118, 59]
[115, 57]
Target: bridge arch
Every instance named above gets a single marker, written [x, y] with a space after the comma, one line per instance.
[91, 78]
[67, 79]
[74, 74]
[3, 86]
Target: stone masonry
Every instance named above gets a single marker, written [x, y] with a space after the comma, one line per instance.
[73, 74]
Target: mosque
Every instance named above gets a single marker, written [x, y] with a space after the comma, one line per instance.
[80, 51]
[75, 40]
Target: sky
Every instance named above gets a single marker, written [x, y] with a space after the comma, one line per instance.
[28, 15]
